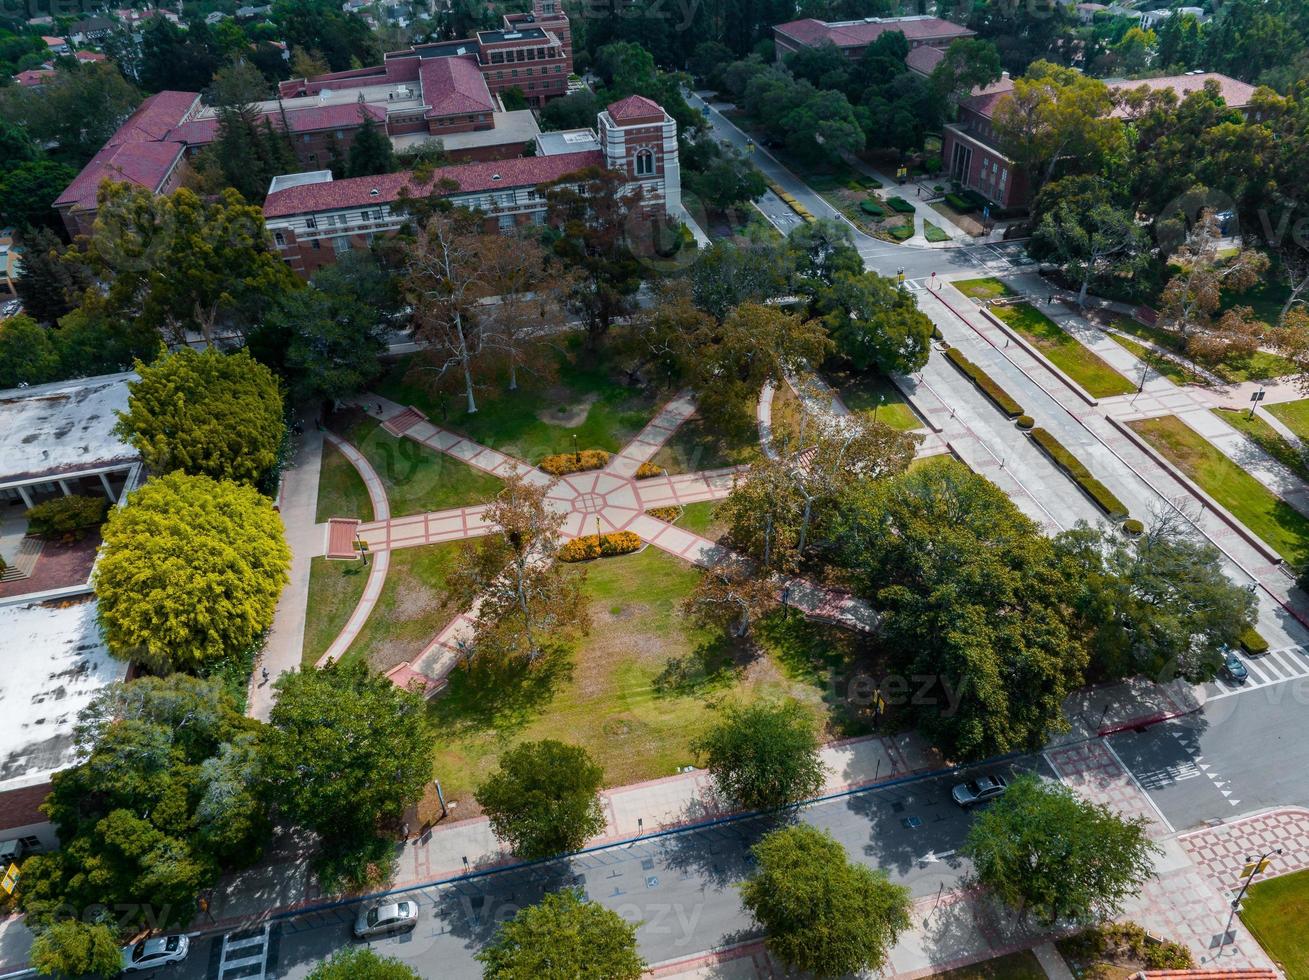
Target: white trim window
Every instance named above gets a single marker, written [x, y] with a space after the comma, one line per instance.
[644, 162]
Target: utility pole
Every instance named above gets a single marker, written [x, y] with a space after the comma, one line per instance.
[1253, 868]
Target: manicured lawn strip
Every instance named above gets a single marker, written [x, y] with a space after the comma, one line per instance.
[985, 384]
[1266, 438]
[1065, 351]
[861, 392]
[699, 519]
[418, 479]
[637, 691]
[1259, 366]
[1276, 911]
[988, 288]
[341, 490]
[1104, 498]
[334, 591]
[1284, 528]
[1294, 415]
[1178, 374]
[1022, 965]
[934, 234]
[515, 422]
[411, 609]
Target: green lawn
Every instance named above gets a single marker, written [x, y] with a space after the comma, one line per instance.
[1285, 529]
[1294, 415]
[933, 233]
[1267, 438]
[639, 689]
[586, 400]
[1022, 965]
[1258, 366]
[334, 591]
[1177, 373]
[1074, 358]
[411, 609]
[988, 288]
[698, 445]
[1277, 911]
[866, 391]
[699, 519]
[418, 479]
[341, 490]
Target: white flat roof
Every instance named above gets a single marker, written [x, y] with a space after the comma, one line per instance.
[517, 126]
[55, 662]
[63, 428]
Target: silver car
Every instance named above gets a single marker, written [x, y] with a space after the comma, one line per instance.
[377, 920]
[150, 953]
[983, 789]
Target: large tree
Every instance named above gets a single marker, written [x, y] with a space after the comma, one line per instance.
[973, 595]
[361, 963]
[206, 413]
[28, 190]
[76, 111]
[346, 753]
[819, 912]
[189, 572]
[183, 264]
[542, 799]
[563, 937]
[591, 219]
[730, 596]
[29, 353]
[71, 948]
[1046, 852]
[1159, 604]
[1102, 243]
[729, 273]
[526, 601]
[166, 797]
[764, 755]
[370, 152]
[46, 283]
[874, 323]
[528, 288]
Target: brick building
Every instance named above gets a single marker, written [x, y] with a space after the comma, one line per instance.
[314, 218]
[852, 37]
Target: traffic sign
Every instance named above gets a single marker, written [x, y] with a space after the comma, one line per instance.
[1254, 869]
[10, 880]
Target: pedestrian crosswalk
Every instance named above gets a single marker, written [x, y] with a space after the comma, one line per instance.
[245, 955]
[1265, 670]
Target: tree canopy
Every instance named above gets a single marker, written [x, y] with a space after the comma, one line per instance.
[764, 755]
[189, 572]
[361, 963]
[563, 937]
[542, 800]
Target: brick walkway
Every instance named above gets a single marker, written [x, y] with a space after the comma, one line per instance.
[1223, 851]
[1093, 770]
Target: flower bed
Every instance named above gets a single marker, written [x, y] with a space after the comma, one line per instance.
[666, 514]
[592, 546]
[984, 384]
[562, 463]
[1070, 464]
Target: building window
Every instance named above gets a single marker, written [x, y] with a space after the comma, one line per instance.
[313, 158]
[311, 222]
[645, 163]
[506, 222]
[316, 245]
[341, 244]
[279, 239]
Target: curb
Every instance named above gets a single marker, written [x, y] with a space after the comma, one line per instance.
[1040, 358]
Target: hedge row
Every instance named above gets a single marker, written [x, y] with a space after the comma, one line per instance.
[870, 206]
[1070, 464]
[899, 204]
[561, 464]
[791, 202]
[602, 546]
[961, 204]
[1252, 642]
[984, 383]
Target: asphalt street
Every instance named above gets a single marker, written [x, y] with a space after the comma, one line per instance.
[680, 888]
[1244, 751]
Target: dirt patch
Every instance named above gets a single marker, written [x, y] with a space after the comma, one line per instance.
[626, 610]
[569, 415]
[412, 604]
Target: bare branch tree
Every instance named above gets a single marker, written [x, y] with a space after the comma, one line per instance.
[731, 595]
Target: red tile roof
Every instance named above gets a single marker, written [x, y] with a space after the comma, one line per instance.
[144, 164]
[983, 101]
[392, 71]
[454, 86]
[34, 77]
[85, 56]
[1235, 93]
[924, 58]
[198, 132]
[635, 108]
[859, 33]
[470, 178]
[156, 117]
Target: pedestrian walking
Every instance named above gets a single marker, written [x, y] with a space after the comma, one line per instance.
[263, 672]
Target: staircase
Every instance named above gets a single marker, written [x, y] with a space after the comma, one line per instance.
[402, 422]
[21, 564]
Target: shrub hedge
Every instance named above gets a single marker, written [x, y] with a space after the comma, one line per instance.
[868, 206]
[984, 383]
[1070, 464]
[592, 546]
[66, 518]
[1133, 527]
[666, 514]
[1026, 421]
[647, 470]
[961, 204]
[587, 459]
[899, 204]
[1253, 643]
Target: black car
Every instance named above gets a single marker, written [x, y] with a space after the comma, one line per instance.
[1233, 670]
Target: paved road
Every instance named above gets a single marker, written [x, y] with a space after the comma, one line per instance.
[681, 887]
[1244, 751]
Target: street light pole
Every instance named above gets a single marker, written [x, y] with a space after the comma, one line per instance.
[1256, 865]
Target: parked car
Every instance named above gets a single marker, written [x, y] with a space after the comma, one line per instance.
[11, 307]
[377, 920]
[1233, 670]
[150, 953]
[983, 789]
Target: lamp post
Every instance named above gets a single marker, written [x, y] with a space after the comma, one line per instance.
[1256, 865]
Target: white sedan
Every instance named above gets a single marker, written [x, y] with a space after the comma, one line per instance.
[150, 953]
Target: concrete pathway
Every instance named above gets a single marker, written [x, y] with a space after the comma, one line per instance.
[298, 504]
[379, 561]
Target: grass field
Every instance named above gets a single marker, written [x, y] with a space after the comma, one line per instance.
[637, 691]
[988, 288]
[1267, 438]
[418, 479]
[870, 390]
[411, 609]
[543, 416]
[1276, 911]
[1285, 529]
[1294, 415]
[1022, 965]
[933, 233]
[1074, 358]
[699, 519]
[334, 591]
[1178, 374]
[700, 445]
[341, 490]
